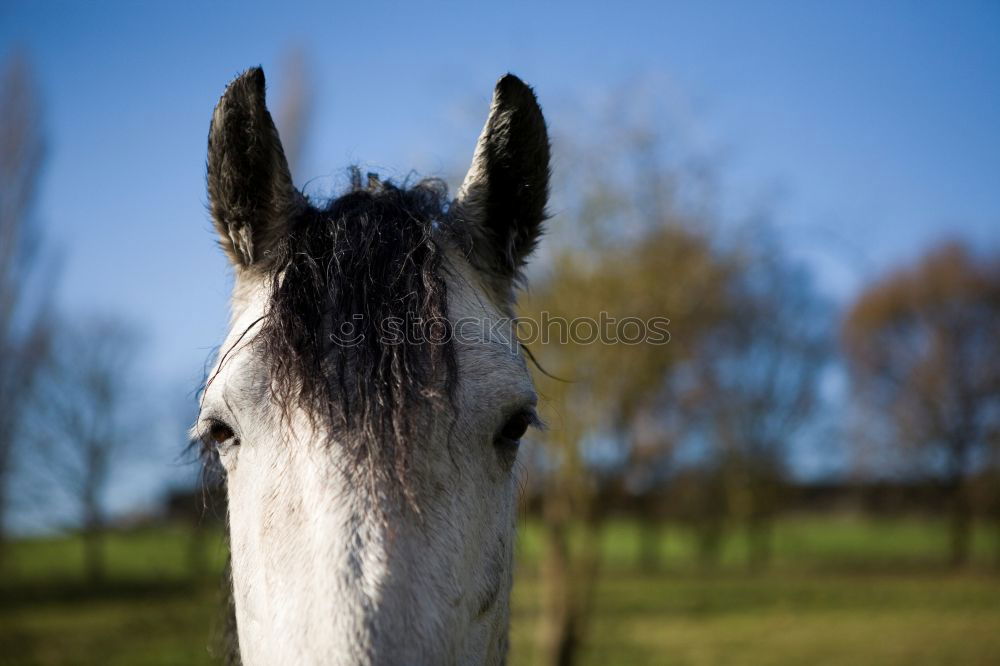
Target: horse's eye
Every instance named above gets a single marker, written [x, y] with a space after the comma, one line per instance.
[220, 433]
[515, 428]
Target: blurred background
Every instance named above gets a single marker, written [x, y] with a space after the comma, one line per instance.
[809, 472]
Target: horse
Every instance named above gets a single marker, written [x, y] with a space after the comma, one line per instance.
[368, 401]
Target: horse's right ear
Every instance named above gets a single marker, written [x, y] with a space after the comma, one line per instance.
[502, 200]
[250, 189]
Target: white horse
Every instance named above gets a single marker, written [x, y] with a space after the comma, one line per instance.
[366, 407]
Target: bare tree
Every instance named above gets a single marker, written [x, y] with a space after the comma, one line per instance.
[87, 401]
[756, 384]
[23, 337]
[923, 345]
[625, 249]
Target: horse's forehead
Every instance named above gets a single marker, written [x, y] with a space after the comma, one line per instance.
[232, 364]
[249, 300]
[483, 333]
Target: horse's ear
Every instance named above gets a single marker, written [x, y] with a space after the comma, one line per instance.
[502, 200]
[250, 189]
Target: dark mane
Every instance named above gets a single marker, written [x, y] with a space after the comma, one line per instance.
[372, 256]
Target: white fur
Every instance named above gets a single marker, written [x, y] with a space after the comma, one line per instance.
[325, 569]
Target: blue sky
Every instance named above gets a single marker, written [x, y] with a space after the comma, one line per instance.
[874, 127]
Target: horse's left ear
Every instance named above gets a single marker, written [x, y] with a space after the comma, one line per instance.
[250, 189]
[502, 200]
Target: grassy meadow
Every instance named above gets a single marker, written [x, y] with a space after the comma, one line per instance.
[839, 591]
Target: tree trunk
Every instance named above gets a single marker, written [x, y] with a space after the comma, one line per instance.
[93, 539]
[93, 554]
[996, 553]
[230, 641]
[5, 455]
[3, 532]
[961, 527]
[710, 533]
[197, 557]
[558, 637]
[650, 535]
[760, 531]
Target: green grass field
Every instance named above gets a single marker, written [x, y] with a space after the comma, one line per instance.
[840, 591]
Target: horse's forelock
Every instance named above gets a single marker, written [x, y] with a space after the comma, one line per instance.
[373, 256]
